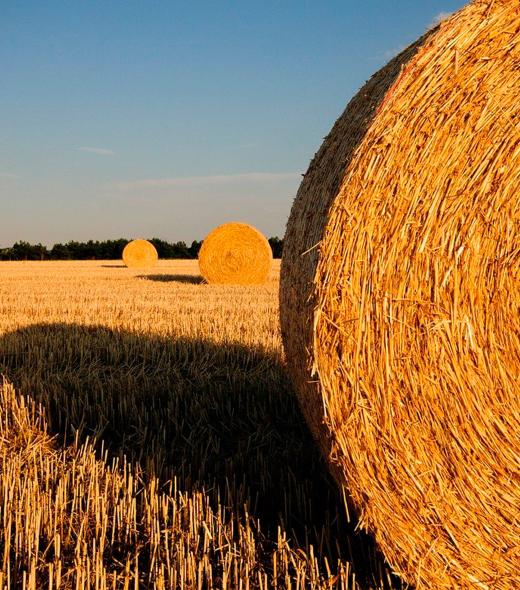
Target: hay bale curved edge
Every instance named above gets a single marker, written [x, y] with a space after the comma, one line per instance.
[400, 294]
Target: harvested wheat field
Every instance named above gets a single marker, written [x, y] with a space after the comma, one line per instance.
[400, 302]
[149, 439]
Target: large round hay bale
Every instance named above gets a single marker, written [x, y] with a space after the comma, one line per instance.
[400, 302]
[235, 253]
[140, 254]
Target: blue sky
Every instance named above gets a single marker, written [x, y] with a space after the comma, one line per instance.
[164, 118]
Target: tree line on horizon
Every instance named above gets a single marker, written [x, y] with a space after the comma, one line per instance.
[108, 250]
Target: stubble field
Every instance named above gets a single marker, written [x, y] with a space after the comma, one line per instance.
[149, 438]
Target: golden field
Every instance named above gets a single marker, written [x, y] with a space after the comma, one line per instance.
[149, 438]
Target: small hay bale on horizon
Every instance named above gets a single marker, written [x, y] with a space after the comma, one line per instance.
[140, 254]
[235, 253]
[400, 298]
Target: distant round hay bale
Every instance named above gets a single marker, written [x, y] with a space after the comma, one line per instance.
[140, 254]
[235, 253]
[400, 302]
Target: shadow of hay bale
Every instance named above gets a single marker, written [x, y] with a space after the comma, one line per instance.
[177, 278]
[222, 418]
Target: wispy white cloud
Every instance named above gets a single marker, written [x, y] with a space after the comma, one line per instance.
[442, 16]
[250, 178]
[188, 206]
[9, 176]
[96, 150]
[391, 53]
[394, 51]
[192, 205]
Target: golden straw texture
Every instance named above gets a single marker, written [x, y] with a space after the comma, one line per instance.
[140, 254]
[400, 302]
[235, 253]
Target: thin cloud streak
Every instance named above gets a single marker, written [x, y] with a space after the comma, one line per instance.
[9, 176]
[442, 16]
[190, 206]
[203, 181]
[97, 151]
[394, 51]
[391, 53]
